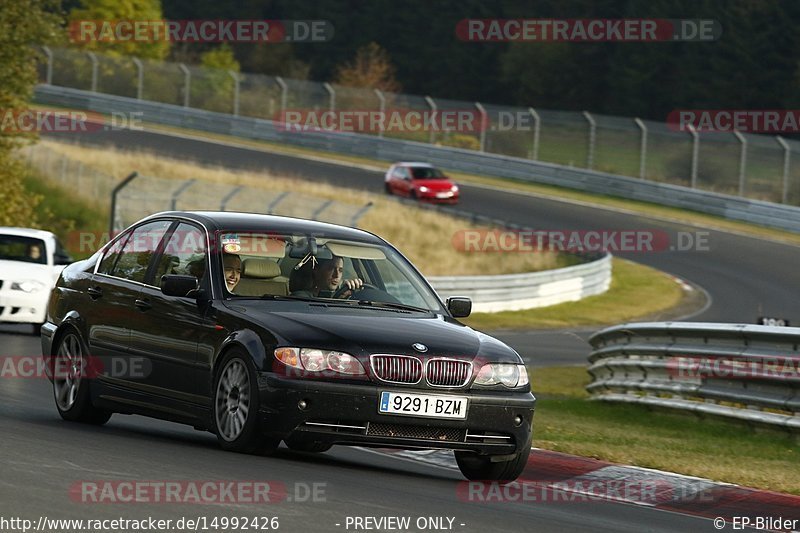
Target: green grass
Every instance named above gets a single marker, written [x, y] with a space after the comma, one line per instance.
[65, 212]
[722, 450]
[636, 291]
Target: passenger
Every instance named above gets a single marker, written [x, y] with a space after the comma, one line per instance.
[322, 280]
[233, 271]
[35, 253]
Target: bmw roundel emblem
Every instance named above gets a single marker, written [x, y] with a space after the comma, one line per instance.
[418, 346]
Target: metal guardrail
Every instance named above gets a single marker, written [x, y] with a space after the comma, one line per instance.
[768, 214]
[747, 372]
[513, 292]
[760, 167]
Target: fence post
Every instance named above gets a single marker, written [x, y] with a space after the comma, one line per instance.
[432, 104]
[228, 197]
[235, 75]
[484, 124]
[360, 213]
[187, 83]
[271, 207]
[742, 161]
[536, 129]
[49, 74]
[175, 195]
[592, 137]
[787, 157]
[139, 77]
[325, 205]
[95, 64]
[642, 148]
[695, 154]
[284, 92]
[124, 183]
[381, 108]
[331, 96]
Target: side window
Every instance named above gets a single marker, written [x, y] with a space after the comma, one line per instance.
[139, 250]
[112, 254]
[184, 254]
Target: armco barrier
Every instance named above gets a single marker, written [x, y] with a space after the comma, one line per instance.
[513, 292]
[747, 372]
[731, 207]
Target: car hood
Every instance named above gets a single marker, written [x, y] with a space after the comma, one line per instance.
[364, 331]
[20, 270]
[436, 184]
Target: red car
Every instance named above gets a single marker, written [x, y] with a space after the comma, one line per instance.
[421, 181]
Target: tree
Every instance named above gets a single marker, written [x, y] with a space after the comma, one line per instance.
[23, 23]
[95, 12]
[372, 68]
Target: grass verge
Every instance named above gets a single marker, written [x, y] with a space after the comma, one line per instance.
[722, 450]
[636, 291]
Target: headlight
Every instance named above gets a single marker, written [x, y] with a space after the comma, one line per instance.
[505, 374]
[423, 189]
[315, 360]
[454, 188]
[27, 286]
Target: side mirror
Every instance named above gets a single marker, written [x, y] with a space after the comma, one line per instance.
[182, 286]
[62, 259]
[459, 306]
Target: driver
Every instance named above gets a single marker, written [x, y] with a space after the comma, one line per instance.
[323, 280]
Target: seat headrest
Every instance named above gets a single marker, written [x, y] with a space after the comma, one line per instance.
[260, 268]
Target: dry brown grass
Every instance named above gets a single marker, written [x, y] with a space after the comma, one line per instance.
[425, 237]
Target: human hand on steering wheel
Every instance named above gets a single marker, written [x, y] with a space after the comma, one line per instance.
[349, 286]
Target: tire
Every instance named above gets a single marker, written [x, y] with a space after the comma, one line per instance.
[387, 188]
[37, 329]
[70, 389]
[413, 194]
[480, 468]
[309, 446]
[235, 407]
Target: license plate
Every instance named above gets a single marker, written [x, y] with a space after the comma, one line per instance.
[396, 403]
[444, 194]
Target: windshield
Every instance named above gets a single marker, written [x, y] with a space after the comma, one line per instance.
[426, 173]
[321, 268]
[18, 248]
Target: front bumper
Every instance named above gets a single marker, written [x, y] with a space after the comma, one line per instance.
[497, 423]
[433, 197]
[21, 307]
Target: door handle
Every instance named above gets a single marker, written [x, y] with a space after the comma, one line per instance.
[95, 292]
[142, 305]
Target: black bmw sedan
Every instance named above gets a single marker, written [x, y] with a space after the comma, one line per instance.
[264, 329]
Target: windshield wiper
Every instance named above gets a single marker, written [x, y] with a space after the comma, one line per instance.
[288, 297]
[392, 305]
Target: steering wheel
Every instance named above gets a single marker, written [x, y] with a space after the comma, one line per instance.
[344, 288]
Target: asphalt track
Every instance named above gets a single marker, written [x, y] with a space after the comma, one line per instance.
[43, 458]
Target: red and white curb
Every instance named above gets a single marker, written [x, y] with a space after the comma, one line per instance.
[553, 477]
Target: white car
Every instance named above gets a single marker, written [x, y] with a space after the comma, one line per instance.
[30, 263]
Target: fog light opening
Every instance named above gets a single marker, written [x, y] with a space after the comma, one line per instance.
[302, 405]
[517, 420]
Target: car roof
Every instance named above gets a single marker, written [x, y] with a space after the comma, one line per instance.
[27, 232]
[247, 222]
[415, 164]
